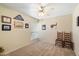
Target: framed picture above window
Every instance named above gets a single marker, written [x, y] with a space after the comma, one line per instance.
[6, 19]
[26, 25]
[43, 27]
[6, 27]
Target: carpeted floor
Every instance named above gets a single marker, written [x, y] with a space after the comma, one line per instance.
[40, 48]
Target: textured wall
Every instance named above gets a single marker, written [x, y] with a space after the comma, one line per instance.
[16, 38]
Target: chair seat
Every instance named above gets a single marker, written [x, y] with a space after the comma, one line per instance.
[58, 42]
[68, 44]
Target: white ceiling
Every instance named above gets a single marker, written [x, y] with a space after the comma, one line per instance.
[53, 9]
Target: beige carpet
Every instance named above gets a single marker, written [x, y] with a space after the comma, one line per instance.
[40, 48]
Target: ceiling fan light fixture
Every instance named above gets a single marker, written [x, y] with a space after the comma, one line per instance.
[41, 14]
[42, 10]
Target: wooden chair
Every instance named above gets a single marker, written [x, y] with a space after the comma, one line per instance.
[59, 40]
[67, 43]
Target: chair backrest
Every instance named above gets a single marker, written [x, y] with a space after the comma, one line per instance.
[67, 36]
[60, 35]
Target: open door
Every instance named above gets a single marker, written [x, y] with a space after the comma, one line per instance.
[34, 33]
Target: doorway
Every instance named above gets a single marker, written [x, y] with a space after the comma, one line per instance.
[34, 27]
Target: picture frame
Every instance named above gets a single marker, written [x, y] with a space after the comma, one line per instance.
[43, 27]
[78, 21]
[51, 26]
[18, 24]
[19, 17]
[6, 19]
[6, 27]
[26, 25]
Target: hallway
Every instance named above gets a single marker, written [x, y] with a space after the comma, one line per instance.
[41, 48]
[36, 29]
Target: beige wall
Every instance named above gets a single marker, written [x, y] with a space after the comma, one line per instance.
[64, 23]
[16, 38]
[76, 30]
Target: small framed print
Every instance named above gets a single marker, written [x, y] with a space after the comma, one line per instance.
[52, 26]
[18, 24]
[6, 19]
[78, 21]
[26, 25]
[6, 27]
[43, 27]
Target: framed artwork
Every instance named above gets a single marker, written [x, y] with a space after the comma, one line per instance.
[6, 27]
[18, 24]
[19, 17]
[26, 25]
[53, 25]
[43, 27]
[78, 21]
[6, 19]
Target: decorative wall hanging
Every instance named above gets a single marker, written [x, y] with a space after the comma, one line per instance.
[6, 19]
[26, 25]
[53, 25]
[18, 24]
[43, 27]
[19, 17]
[6, 27]
[78, 21]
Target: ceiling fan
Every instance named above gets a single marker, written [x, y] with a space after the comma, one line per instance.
[44, 9]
